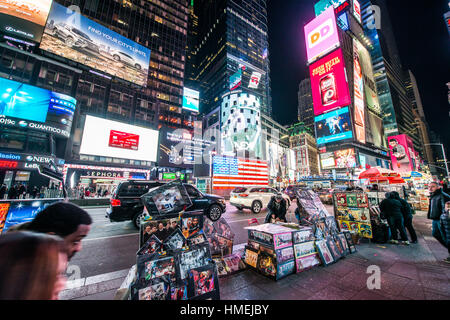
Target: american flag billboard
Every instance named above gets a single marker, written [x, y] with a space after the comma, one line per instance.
[229, 172]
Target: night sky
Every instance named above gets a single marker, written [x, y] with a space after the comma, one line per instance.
[422, 39]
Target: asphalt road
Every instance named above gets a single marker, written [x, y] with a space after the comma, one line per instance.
[112, 246]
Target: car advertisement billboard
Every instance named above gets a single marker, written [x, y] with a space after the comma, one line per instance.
[181, 148]
[24, 18]
[75, 37]
[329, 85]
[345, 158]
[26, 106]
[358, 89]
[321, 35]
[241, 125]
[107, 138]
[191, 99]
[402, 153]
[333, 126]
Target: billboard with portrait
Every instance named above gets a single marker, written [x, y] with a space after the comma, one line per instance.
[25, 18]
[329, 85]
[321, 35]
[402, 153]
[26, 106]
[345, 158]
[333, 126]
[358, 90]
[241, 125]
[107, 138]
[75, 37]
[191, 99]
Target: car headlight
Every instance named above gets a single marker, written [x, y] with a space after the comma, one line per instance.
[222, 201]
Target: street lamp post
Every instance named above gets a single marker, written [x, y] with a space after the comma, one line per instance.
[443, 152]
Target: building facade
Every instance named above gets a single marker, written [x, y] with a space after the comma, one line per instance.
[305, 104]
[303, 143]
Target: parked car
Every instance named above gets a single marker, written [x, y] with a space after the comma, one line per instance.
[125, 58]
[254, 198]
[125, 202]
[72, 36]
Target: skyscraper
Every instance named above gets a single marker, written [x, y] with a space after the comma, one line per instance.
[305, 104]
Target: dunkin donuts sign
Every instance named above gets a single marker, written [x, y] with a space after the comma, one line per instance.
[321, 35]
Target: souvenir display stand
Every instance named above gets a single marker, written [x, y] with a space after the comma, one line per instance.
[278, 250]
[174, 260]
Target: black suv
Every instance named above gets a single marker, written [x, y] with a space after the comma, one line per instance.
[125, 202]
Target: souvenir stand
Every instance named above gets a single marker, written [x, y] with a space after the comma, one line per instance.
[278, 250]
[174, 260]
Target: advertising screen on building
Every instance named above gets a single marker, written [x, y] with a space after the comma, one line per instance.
[241, 125]
[329, 85]
[447, 21]
[327, 160]
[321, 35]
[358, 89]
[402, 153]
[333, 126]
[357, 10]
[323, 5]
[191, 99]
[236, 80]
[345, 158]
[254, 80]
[75, 37]
[129, 142]
[375, 130]
[25, 106]
[25, 18]
[180, 148]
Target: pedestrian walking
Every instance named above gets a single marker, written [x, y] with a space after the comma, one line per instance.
[445, 225]
[63, 219]
[436, 208]
[277, 209]
[32, 266]
[391, 209]
[407, 212]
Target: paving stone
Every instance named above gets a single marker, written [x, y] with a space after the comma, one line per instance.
[354, 281]
[314, 280]
[392, 284]
[366, 294]
[73, 293]
[341, 268]
[406, 270]
[105, 295]
[333, 293]
[291, 293]
[435, 281]
[413, 290]
[250, 292]
[431, 295]
[235, 282]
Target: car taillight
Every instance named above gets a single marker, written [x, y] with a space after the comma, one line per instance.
[115, 202]
[243, 195]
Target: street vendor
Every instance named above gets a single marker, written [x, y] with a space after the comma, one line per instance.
[277, 209]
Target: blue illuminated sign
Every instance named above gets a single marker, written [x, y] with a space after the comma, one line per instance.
[10, 156]
[225, 166]
[333, 126]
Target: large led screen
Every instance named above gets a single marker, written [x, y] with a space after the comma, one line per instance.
[375, 130]
[107, 138]
[329, 85]
[75, 37]
[358, 90]
[26, 106]
[321, 35]
[24, 18]
[323, 5]
[345, 158]
[402, 153]
[333, 126]
[241, 125]
[191, 99]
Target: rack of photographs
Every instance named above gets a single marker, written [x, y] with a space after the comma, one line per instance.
[352, 212]
[174, 260]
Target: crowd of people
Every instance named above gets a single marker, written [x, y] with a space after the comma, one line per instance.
[35, 254]
[22, 191]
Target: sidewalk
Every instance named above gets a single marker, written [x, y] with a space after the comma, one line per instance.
[414, 272]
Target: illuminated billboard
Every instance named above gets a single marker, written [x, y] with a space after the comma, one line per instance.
[375, 130]
[333, 126]
[345, 158]
[329, 85]
[24, 18]
[402, 153]
[321, 35]
[75, 37]
[357, 10]
[107, 138]
[358, 90]
[323, 5]
[191, 99]
[25, 106]
[254, 80]
[241, 125]
[327, 160]
[236, 80]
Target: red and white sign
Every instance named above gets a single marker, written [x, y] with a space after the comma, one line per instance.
[357, 10]
[254, 80]
[123, 140]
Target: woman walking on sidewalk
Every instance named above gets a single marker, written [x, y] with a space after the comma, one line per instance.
[392, 210]
[407, 216]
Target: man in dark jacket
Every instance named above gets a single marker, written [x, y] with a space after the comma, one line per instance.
[392, 210]
[407, 216]
[2, 191]
[277, 208]
[436, 209]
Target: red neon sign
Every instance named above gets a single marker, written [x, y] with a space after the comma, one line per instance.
[8, 164]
